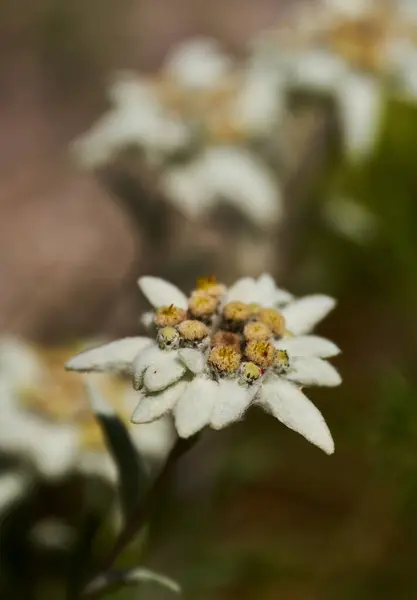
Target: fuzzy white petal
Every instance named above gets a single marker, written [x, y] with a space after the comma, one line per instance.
[243, 290]
[164, 372]
[232, 400]
[19, 362]
[198, 63]
[13, 486]
[241, 179]
[288, 404]
[152, 406]
[269, 293]
[147, 319]
[308, 345]
[259, 107]
[195, 407]
[50, 447]
[162, 293]
[186, 188]
[116, 356]
[313, 371]
[318, 70]
[97, 401]
[360, 103]
[301, 316]
[143, 359]
[266, 288]
[155, 440]
[193, 359]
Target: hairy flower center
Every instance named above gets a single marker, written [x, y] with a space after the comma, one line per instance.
[261, 353]
[249, 372]
[226, 338]
[201, 304]
[211, 286]
[225, 359]
[273, 319]
[257, 331]
[236, 312]
[168, 338]
[193, 331]
[169, 316]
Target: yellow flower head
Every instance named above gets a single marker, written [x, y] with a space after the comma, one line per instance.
[273, 319]
[236, 313]
[211, 286]
[256, 330]
[169, 316]
[261, 353]
[193, 330]
[201, 305]
[225, 359]
[226, 338]
[249, 372]
[168, 338]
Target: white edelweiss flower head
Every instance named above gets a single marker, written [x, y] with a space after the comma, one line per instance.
[213, 356]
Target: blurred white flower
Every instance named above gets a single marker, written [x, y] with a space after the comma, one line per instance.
[46, 422]
[14, 485]
[137, 118]
[208, 110]
[229, 174]
[212, 358]
[357, 52]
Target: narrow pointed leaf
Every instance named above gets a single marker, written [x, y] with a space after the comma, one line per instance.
[133, 477]
[113, 580]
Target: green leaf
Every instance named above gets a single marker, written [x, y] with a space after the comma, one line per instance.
[133, 475]
[113, 580]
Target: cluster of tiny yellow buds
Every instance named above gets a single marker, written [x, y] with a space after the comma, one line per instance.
[273, 319]
[201, 305]
[226, 338]
[249, 372]
[225, 359]
[169, 316]
[236, 313]
[211, 286]
[256, 330]
[282, 361]
[168, 338]
[261, 353]
[193, 331]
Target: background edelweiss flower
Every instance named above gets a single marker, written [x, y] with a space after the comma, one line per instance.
[353, 53]
[46, 422]
[225, 173]
[137, 118]
[201, 388]
[210, 107]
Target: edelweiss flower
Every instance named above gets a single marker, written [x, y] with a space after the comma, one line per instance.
[207, 110]
[212, 358]
[137, 118]
[355, 51]
[45, 421]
